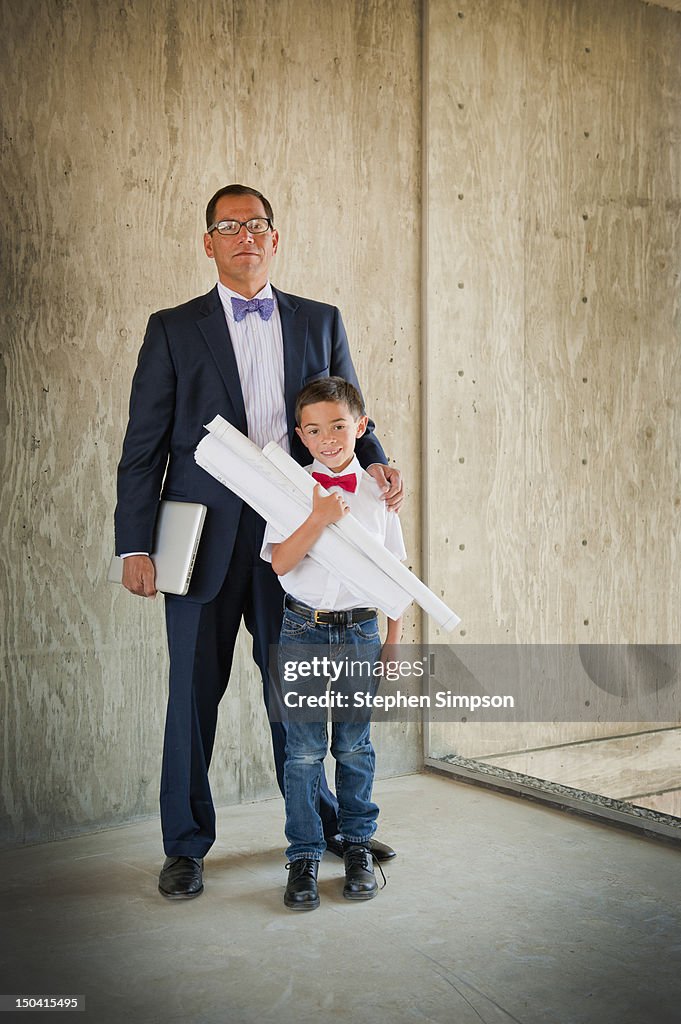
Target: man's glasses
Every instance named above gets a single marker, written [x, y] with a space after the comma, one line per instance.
[254, 226]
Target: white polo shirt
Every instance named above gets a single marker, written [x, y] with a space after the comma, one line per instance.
[309, 581]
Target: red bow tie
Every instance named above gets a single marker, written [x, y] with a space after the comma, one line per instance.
[347, 482]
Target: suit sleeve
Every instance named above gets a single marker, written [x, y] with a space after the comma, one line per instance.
[147, 441]
[369, 449]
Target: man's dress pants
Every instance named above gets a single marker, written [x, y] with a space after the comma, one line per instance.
[201, 640]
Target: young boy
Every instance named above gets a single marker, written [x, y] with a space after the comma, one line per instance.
[322, 615]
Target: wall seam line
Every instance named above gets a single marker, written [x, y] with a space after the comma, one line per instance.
[425, 433]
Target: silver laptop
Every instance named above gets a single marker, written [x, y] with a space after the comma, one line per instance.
[176, 541]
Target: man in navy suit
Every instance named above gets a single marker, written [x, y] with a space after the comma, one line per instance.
[244, 350]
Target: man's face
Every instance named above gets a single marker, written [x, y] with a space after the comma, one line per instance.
[329, 432]
[242, 260]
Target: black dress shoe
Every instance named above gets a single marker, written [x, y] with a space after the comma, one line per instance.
[360, 880]
[301, 888]
[181, 878]
[334, 844]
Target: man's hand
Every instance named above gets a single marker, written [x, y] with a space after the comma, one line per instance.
[139, 575]
[390, 480]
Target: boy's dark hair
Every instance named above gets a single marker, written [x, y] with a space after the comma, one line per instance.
[236, 190]
[330, 389]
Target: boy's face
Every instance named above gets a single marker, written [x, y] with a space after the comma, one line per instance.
[329, 432]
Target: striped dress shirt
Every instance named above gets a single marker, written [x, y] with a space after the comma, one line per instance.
[259, 350]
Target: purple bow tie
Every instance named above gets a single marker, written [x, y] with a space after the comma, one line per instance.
[242, 306]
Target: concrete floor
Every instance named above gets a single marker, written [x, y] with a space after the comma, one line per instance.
[497, 910]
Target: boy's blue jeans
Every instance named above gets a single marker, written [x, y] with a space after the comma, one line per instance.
[356, 647]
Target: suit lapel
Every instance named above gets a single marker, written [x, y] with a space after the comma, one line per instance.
[294, 326]
[213, 327]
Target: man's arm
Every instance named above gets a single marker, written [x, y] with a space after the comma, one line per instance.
[368, 449]
[389, 478]
[145, 455]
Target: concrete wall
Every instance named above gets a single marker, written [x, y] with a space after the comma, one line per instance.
[551, 454]
[554, 201]
[121, 120]
[554, 235]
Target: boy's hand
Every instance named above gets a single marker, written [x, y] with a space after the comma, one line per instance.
[328, 508]
[390, 649]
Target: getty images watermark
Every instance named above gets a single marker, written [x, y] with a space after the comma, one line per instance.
[334, 671]
[479, 682]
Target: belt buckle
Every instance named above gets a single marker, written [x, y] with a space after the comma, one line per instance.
[317, 611]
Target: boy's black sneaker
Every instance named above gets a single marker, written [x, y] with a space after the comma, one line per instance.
[301, 888]
[360, 880]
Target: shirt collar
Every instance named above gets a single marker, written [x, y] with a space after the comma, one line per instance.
[226, 294]
[354, 467]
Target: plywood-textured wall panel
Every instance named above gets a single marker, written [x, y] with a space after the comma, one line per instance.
[474, 364]
[120, 122]
[602, 361]
[101, 160]
[573, 503]
[553, 361]
[344, 163]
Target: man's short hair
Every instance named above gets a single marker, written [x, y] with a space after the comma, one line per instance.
[236, 190]
[330, 389]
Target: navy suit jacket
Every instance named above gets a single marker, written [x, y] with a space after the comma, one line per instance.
[186, 374]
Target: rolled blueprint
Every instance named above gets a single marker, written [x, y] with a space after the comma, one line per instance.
[280, 490]
[237, 463]
[366, 542]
